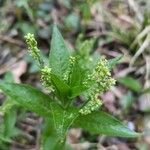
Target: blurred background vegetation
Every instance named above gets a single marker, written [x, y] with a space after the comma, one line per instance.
[115, 27]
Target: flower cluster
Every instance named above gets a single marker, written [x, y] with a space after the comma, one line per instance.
[32, 46]
[72, 60]
[46, 78]
[102, 81]
[67, 74]
[100, 78]
[93, 104]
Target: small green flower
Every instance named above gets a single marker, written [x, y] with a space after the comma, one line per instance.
[101, 81]
[32, 47]
[102, 76]
[72, 61]
[93, 104]
[46, 78]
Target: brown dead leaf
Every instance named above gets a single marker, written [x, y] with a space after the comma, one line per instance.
[74, 135]
[19, 69]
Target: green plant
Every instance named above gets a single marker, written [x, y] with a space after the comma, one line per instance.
[8, 110]
[66, 77]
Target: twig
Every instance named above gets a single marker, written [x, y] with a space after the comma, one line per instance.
[145, 31]
[140, 50]
[147, 74]
[12, 41]
[135, 8]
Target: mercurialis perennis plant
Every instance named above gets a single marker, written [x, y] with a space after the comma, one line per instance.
[66, 77]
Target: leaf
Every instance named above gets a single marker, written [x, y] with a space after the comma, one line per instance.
[50, 140]
[77, 77]
[61, 87]
[54, 137]
[9, 124]
[7, 105]
[59, 55]
[76, 91]
[59, 84]
[114, 61]
[131, 83]
[28, 97]
[103, 123]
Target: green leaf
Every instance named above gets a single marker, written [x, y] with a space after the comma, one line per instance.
[28, 97]
[61, 87]
[114, 61]
[50, 139]
[63, 119]
[9, 123]
[131, 83]
[7, 105]
[52, 142]
[59, 54]
[7, 126]
[103, 123]
[76, 91]
[54, 137]
[76, 75]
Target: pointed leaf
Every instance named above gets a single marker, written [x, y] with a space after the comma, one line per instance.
[59, 55]
[54, 137]
[76, 75]
[76, 91]
[59, 84]
[9, 121]
[103, 123]
[61, 88]
[131, 83]
[28, 97]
